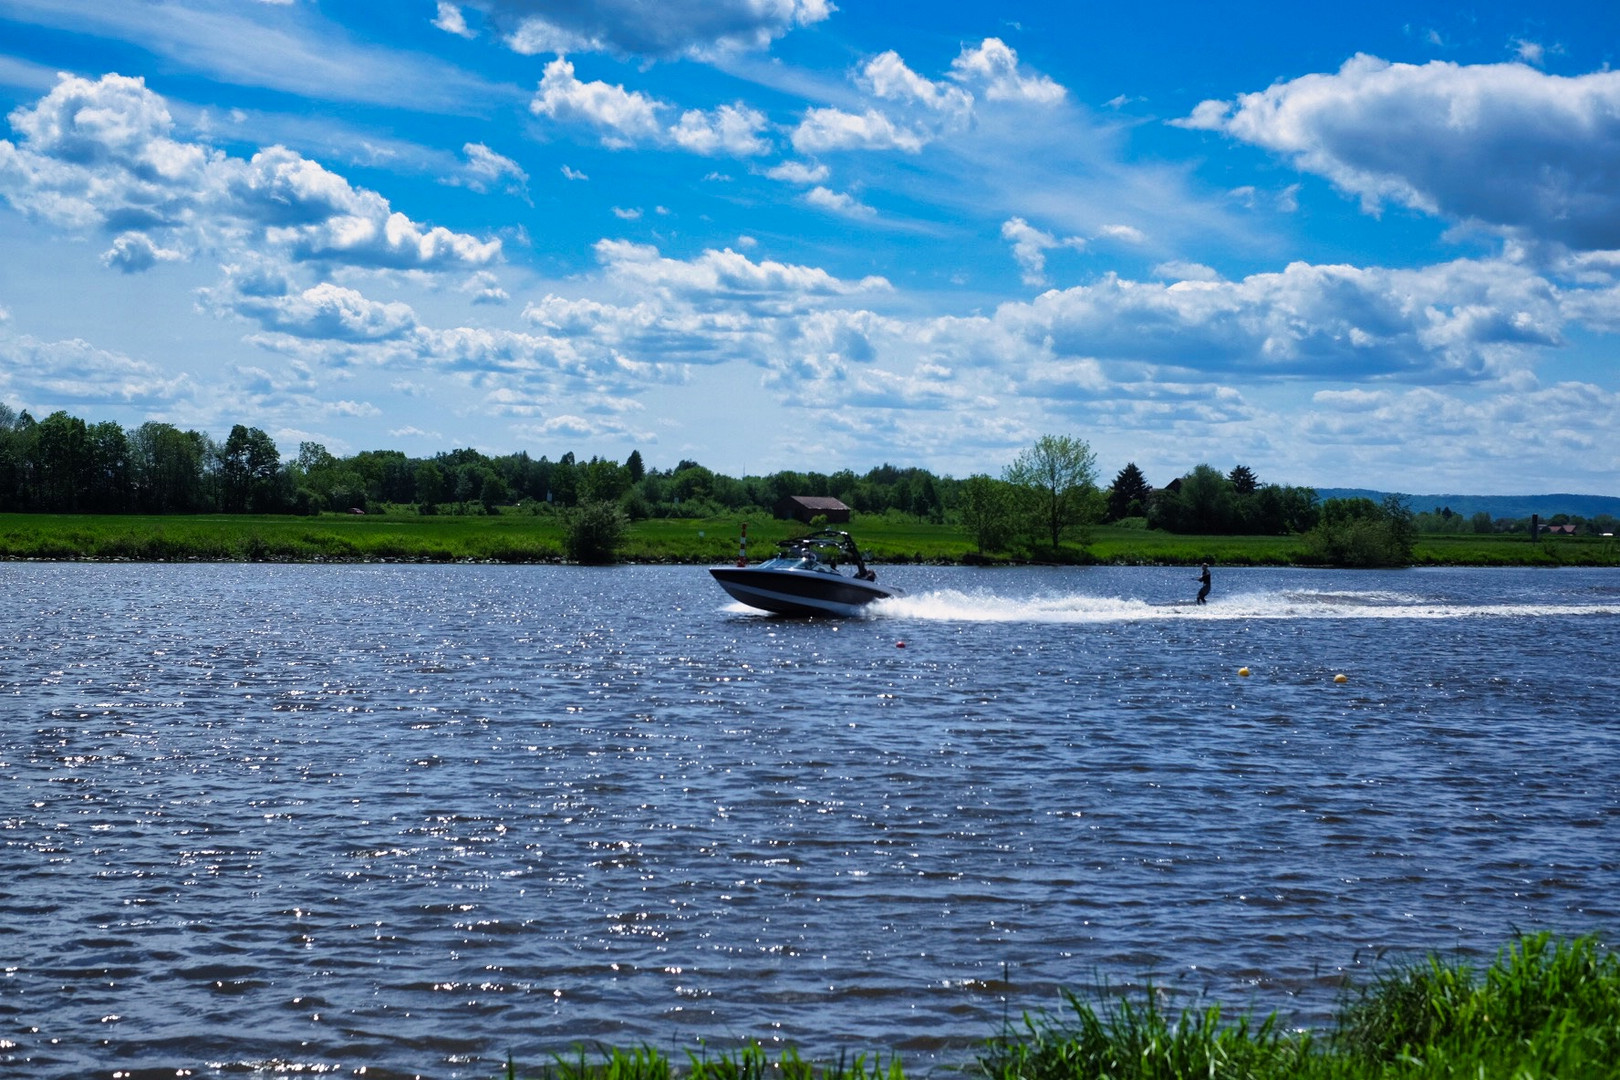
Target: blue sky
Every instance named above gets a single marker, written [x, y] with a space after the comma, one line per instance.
[1374, 246]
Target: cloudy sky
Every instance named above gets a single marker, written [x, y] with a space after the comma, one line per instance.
[1377, 246]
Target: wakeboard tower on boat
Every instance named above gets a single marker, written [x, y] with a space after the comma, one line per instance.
[819, 574]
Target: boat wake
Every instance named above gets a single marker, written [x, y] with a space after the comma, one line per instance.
[951, 605]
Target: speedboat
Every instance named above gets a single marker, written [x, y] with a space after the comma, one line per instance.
[819, 574]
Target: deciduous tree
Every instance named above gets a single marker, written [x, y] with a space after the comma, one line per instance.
[1059, 477]
[987, 512]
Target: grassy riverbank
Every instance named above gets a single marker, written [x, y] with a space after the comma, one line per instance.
[532, 538]
[1546, 1008]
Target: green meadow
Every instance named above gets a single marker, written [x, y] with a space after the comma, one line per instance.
[1545, 1009]
[515, 537]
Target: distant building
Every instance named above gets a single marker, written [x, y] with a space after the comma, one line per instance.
[808, 507]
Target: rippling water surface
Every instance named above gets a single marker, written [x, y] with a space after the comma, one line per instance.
[286, 819]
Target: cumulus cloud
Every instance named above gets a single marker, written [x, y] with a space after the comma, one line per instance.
[133, 252]
[652, 28]
[994, 66]
[797, 172]
[1516, 434]
[1503, 145]
[486, 171]
[625, 118]
[101, 156]
[727, 276]
[1458, 321]
[886, 76]
[485, 288]
[716, 307]
[838, 202]
[733, 130]
[1159, 350]
[74, 371]
[1030, 246]
[911, 111]
[325, 312]
[823, 129]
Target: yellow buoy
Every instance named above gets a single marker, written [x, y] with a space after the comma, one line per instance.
[1243, 671]
[1340, 677]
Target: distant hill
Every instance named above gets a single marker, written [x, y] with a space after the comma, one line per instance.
[1498, 506]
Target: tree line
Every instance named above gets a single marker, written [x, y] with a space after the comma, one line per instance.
[1048, 497]
[1050, 492]
[1443, 521]
[62, 464]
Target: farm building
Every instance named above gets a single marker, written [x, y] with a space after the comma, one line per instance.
[807, 507]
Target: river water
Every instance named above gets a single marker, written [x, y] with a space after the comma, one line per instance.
[283, 820]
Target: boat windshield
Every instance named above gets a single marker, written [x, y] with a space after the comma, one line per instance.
[794, 562]
[823, 552]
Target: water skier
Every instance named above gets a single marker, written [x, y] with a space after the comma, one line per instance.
[1203, 583]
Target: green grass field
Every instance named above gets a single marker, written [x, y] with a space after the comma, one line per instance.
[529, 538]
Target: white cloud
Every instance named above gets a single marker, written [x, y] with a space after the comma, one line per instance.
[133, 252]
[654, 28]
[1128, 234]
[838, 202]
[57, 374]
[727, 275]
[1529, 52]
[1515, 435]
[916, 110]
[797, 172]
[487, 170]
[824, 129]
[887, 76]
[326, 311]
[730, 129]
[485, 288]
[995, 67]
[573, 174]
[624, 213]
[1503, 145]
[625, 118]
[1030, 246]
[1185, 271]
[101, 156]
[1459, 321]
[451, 20]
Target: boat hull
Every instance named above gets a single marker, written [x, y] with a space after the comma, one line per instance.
[799, 592]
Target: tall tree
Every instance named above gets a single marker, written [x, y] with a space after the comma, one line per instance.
[1206, 498]
[1129, 495]
[987, 506]
[62, 462]
[1242, 479]
[1059, 473]
[167, 468]
[109, 473]
[249, 468]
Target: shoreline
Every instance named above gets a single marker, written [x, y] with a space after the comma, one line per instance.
[1545, 1005]
[538, 539]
